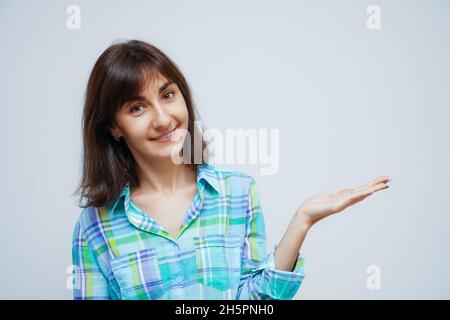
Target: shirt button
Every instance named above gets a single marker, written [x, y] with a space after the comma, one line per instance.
[178, 279]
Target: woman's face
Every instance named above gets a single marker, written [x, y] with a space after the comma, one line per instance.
[159, 109]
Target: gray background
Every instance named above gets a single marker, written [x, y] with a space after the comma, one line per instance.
[351, 104]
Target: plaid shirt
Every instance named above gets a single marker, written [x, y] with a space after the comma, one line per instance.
[119, 252]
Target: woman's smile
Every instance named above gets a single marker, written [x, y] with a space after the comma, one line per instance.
[165, 137]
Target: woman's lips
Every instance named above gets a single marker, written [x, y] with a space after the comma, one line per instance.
[165, 137]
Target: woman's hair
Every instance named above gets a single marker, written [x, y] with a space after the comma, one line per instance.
[120, 73]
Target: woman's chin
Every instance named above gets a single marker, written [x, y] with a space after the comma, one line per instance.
[167, 152]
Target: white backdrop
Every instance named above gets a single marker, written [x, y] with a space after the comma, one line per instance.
[351, 103]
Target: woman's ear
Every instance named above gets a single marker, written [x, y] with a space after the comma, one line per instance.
[115, 132]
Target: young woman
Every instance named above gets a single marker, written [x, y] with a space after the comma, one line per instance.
[155, 227]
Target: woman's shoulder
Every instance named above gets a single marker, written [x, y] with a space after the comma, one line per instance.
[90, 217]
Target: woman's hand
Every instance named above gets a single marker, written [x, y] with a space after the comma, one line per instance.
[318, 207]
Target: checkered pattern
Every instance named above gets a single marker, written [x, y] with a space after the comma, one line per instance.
[120, 252]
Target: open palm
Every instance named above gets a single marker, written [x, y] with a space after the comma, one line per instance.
[318, 207]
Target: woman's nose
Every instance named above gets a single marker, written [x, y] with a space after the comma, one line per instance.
[161, 117]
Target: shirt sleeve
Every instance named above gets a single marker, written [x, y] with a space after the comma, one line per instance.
[260, 280]
[89, 282]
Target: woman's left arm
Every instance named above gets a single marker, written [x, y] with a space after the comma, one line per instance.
[315, 209]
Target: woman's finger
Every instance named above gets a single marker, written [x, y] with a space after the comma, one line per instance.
[370, 190]
[347, 197]
[373, 182]
[359, 196]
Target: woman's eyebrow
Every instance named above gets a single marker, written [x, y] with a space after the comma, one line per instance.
[142, 98]
[164, 86]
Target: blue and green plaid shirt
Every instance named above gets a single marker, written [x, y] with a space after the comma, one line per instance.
[119, 252]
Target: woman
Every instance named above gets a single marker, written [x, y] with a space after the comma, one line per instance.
[157, 225]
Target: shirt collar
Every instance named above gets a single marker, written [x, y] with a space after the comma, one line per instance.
[205, 172]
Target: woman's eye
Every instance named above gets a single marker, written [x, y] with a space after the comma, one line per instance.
[135, 109]
[169, 95]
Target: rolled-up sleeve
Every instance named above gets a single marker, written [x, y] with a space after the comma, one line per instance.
[259, 277]
[89, 282]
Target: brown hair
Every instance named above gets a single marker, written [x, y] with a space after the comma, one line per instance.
[120, 73]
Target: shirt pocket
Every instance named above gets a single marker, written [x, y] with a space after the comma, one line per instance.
[138, 275]
[218, 260]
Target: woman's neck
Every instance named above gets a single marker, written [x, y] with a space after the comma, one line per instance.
[164, 177]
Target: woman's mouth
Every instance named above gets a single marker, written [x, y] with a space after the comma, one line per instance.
[165, 137]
